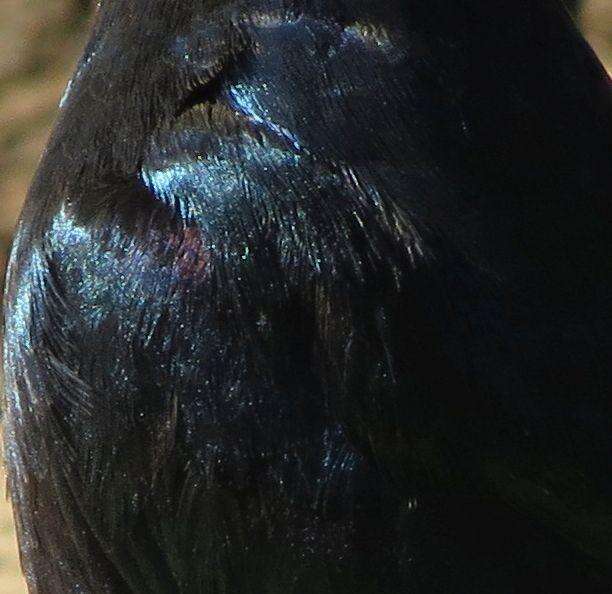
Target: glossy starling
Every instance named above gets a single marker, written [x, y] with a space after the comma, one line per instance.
[314, 297]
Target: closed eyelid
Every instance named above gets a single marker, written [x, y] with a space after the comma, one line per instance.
[207, 93]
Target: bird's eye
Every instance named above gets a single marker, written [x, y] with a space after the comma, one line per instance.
[202, 94]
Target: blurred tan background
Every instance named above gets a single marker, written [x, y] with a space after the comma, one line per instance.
[40, 41]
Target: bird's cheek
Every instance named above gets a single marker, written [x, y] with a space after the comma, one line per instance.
[192, 255]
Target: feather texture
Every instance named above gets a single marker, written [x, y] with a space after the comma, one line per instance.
[314, 297]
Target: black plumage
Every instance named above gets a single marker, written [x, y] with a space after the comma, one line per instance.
[314, 297]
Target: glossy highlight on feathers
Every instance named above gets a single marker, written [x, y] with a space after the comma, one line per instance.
[313, 297]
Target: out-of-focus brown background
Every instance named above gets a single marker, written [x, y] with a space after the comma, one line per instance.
[39, 43]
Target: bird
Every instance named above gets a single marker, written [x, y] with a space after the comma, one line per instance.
[314, 297]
